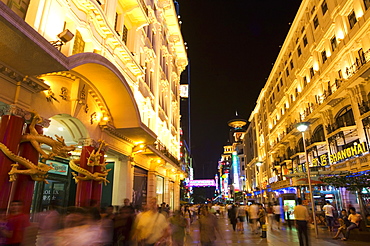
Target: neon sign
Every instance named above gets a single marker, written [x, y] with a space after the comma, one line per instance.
[202, 183]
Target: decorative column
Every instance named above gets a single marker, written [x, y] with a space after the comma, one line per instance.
[11, 127]
[97, 186]
[84, 187]
[24, 185]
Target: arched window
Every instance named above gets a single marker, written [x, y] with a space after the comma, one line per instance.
[318, 134]
[345, 117]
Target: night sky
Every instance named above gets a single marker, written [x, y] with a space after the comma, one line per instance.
[232, 45]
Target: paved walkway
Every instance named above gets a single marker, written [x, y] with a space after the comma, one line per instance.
[283, 237]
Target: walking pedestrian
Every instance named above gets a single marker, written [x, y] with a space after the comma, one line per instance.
[151, 227]
[329, 215]
[178, 224]
[261, 214]
[253, 216]
[241, 218]
[301, 217]
[232, 213]
[270, 215]
[187, 216]
[277, 214]
[16, 224]
[208, 227]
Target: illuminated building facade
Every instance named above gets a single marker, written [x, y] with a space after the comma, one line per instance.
[94, 70]
[320, 76]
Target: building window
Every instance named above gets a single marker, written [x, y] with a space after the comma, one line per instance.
[302, 30]
[316, 22]
[304, 81]
[79, 44]
[367, 4]
[124, 34]
[323, 56]
[352, 19]
[324, 7]
[291, 65]
[312, 72]
[333, 43]
[305, 41]
[287, 72]
[296, 41]
[281, 82]
[299, 51]
[278, 88]
[340, 74]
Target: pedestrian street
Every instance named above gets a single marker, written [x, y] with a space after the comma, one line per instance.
[283, 237]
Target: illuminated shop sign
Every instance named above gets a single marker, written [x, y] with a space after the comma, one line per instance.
[202, 183]
[354, 150]
[58, 167]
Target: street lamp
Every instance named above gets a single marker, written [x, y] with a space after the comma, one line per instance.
[302, 127]
[259, 164]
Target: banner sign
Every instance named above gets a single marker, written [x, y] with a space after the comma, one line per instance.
[202, 183]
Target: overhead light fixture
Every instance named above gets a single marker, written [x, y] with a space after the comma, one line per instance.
[64, 37]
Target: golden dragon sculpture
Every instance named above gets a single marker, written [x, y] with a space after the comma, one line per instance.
[93, 160]
[37, 172]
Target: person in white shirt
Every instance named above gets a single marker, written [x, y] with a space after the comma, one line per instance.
[253, 216]
[329, 215]
[277, 214]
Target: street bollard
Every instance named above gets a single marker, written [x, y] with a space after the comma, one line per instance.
[264, 231]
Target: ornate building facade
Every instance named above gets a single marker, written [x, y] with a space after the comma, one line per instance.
[320, 76]
[105, 76]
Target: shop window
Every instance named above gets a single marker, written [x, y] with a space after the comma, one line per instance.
[333, 43]
[352, 19]
[315, 21]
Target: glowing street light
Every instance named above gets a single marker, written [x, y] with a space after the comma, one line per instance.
[302, 127]
[259, 164]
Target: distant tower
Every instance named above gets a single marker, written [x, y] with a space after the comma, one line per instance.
[237, 130]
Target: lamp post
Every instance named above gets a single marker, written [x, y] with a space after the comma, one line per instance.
[259, 164]
[302, 127]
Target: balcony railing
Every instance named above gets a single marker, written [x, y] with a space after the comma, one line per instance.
[159, 146]
[335, 126]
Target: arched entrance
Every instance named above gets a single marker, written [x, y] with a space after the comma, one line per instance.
[60, 189]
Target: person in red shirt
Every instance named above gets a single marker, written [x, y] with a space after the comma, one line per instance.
[16, 224]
